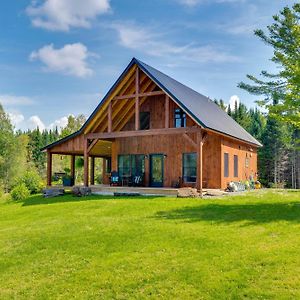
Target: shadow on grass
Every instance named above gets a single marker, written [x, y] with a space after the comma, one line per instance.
[250, 213]
[68, 197]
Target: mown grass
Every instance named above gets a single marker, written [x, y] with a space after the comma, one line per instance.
[237, 247]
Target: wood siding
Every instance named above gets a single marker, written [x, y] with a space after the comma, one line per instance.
[243, 151]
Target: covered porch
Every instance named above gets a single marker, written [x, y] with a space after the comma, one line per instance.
[105, 146]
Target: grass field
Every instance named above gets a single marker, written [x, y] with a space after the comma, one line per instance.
[236, 247]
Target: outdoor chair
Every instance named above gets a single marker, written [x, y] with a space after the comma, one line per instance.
[114, 178]
[137, 180]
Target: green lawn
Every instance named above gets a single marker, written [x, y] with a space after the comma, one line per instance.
[159, 248]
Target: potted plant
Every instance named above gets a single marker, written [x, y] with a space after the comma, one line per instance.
[67, 179]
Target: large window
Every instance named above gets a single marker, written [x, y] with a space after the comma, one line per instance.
[236, 165]
[124, 165]
[189, 167]
[226, 165]
[137, 164]
[130, 165]
[144, 120]
[179, 118]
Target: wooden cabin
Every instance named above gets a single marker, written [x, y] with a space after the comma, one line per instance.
[152, 125]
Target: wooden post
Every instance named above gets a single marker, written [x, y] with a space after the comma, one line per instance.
[109, 118]
[137, 100]
[73, 167]
[49, 168]
[199, 162]
[86, 162]
[167, 111]
[114, 156]
[92, 176]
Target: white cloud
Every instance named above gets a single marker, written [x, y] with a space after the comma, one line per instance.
[61, 15]
[16, 119]
[234, 99]
[60, 123]
[152, 43]
[10, 100]
[35, 122]
[69, 60]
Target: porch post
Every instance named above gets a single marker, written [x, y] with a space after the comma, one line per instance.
[73, 167]
[109, 118]
[167, 111]
[86, 162]
[49, 168]
[199, 162]
[92, 175]
[137, 100]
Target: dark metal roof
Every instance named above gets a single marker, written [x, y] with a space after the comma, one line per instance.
[201, 108]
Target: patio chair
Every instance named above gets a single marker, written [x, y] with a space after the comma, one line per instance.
[114, 179]
[137, 180]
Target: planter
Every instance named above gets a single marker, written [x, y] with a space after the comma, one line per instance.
[68, 181]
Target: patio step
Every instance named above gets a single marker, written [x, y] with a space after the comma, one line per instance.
[141, 190]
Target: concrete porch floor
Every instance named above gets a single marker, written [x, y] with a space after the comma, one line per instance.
[103, 189]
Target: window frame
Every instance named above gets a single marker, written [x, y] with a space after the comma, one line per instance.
[144, 113]
[226, 166]
[132, 169]
[235, 165]
[179, 115]
[184, 167]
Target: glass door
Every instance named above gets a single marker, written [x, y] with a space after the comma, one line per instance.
[156, 170]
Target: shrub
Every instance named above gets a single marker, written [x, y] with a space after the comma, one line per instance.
[32, 181]
[20, 192]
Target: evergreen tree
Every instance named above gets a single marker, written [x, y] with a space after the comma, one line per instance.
[281, 90]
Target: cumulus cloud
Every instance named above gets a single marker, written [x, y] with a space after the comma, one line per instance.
[33, 122]
[60, 123]
[150, 42]
[10, 100]
[69, 60]
[234, 99]
[61, 15]
[16, 119]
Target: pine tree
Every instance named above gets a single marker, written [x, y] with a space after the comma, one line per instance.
[281, 90]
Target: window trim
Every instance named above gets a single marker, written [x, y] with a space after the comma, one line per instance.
[235, 165]
[183, 167]
[149, 116]
[226, 172]
[182, 117]
[132, 172]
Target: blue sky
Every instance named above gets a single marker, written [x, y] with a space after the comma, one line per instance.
[59, 57]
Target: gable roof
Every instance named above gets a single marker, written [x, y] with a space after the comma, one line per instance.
[202, 109]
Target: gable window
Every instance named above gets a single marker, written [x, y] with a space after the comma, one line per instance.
[226, 165]
[144, 120]
[189, 167]
[236, 165]
[179, 118]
